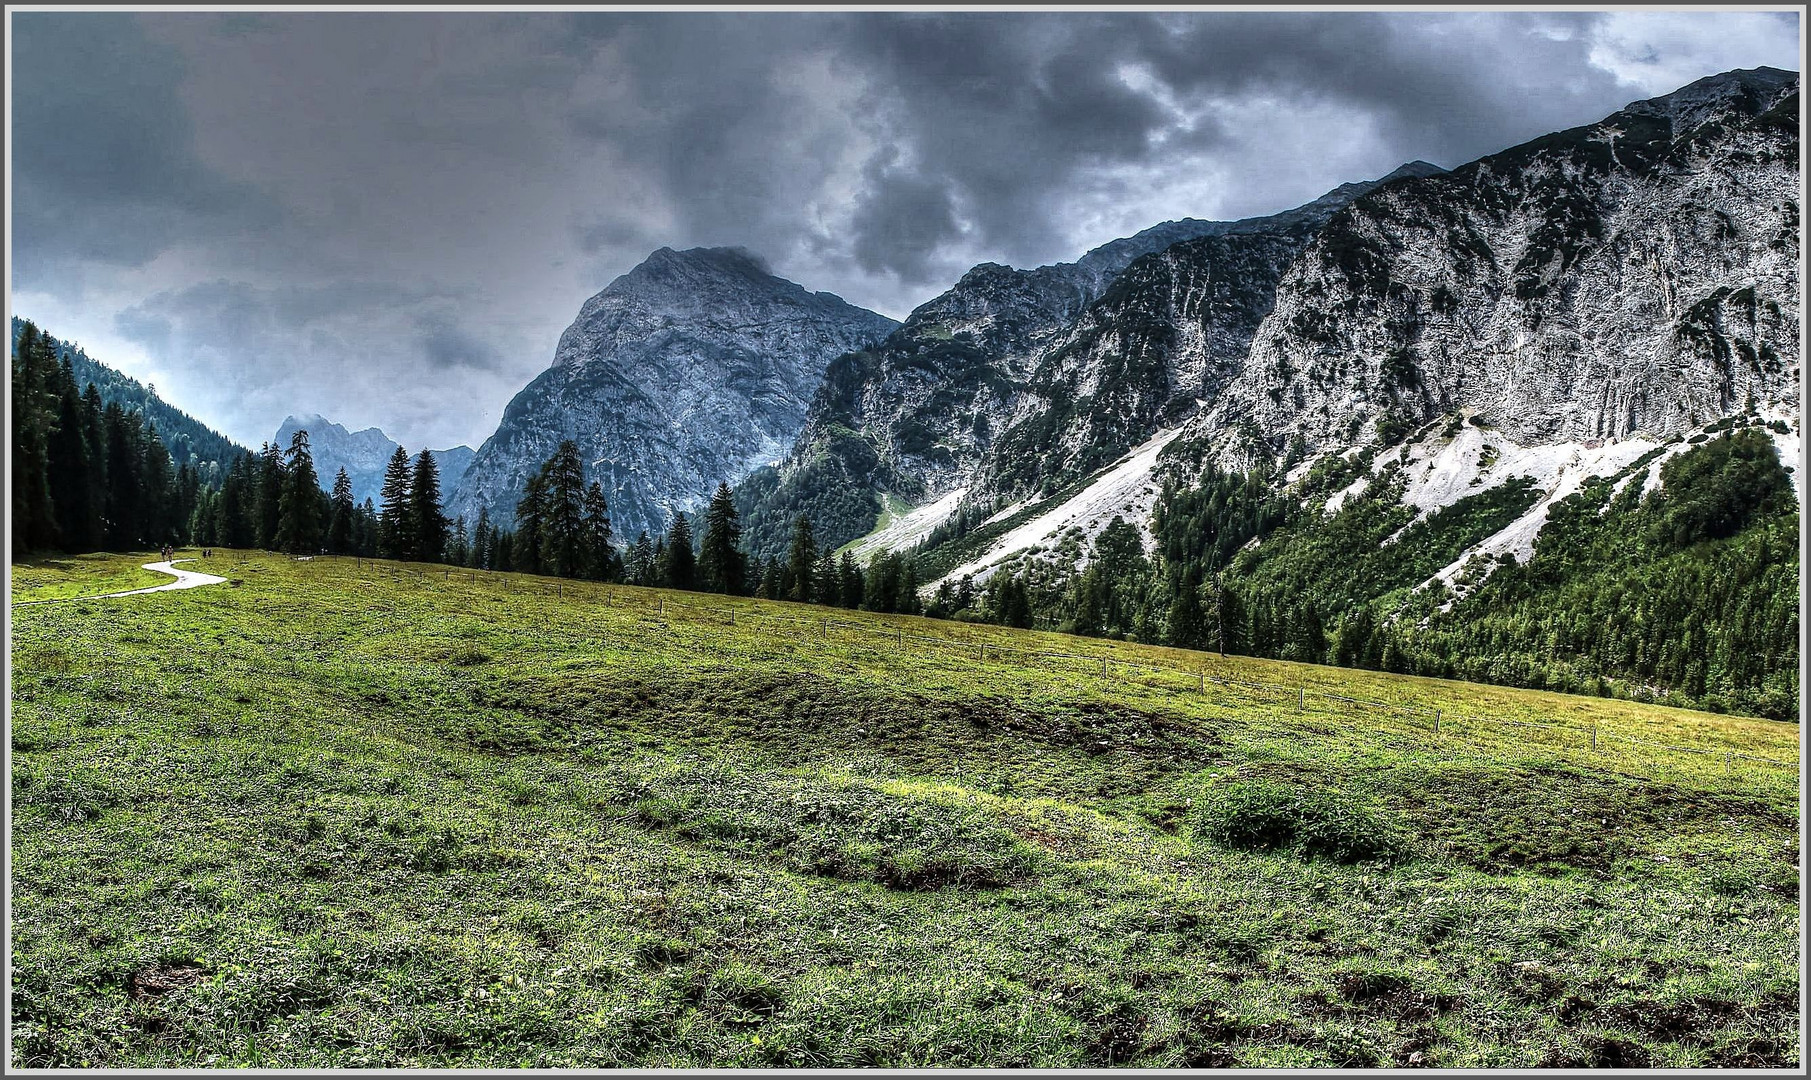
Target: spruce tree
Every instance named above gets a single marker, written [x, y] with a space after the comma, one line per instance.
[679, 568]
[849, 583]
[427, 522]
[125, 478]
[907, 602]
[600, 550]
[395, 538]
[525, 553]
[482, 540]
[459, 548]
[773, 580]
[801, 559]
[826, 586]
[341, 515]
[299, 522]
[34, 418]
[563, 521]
[270, 494]
[74, 463]
[721, 564]
[640, 567]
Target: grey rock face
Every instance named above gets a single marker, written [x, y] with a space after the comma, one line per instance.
[972, 390]
[1634, 276]
[363, 454]
[690, 370]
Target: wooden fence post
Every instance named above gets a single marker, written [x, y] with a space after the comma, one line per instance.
[1436, 721]
[1201, 681]
[1301, 699]
[1593, 735]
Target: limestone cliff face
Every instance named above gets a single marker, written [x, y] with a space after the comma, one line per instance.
[690, 370]
[1637, 276]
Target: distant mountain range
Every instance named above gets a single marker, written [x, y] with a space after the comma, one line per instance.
[363, 454]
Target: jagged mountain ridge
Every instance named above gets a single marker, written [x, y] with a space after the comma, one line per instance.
[363, 454]
[1629, 276]
[1628, 281]
[917, 416]
[690, 370]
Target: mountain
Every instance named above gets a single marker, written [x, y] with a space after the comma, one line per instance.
[692, 369]
[976, 381]
[1532, 421]
[189, 440]
[363, 454]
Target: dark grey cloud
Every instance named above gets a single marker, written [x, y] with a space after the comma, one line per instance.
[388, 218]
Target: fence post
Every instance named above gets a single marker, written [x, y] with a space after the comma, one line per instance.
[1201, 682]
[1301, 699]
[1594, 735]
[663, 605]
[1436, 721]
[898, 638]
[1103, 667]
[823, 629]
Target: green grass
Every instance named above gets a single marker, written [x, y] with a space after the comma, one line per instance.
[342, 816]
[65, 577]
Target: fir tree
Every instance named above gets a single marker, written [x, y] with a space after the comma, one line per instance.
[270, 495]
[801, 556]
[526, 553]
[395, 537]
[299, 522]
[427, 522]
[342, 511]
[34, 418]
[721, 564]
[679, 566]
[601, 563]
[562, 540]
[849, 582]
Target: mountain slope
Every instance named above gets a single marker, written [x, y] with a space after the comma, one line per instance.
[189, 440]
[363, 454]
[919, 416]
[690, 370]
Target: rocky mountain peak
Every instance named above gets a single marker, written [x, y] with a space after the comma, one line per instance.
[1748, 90]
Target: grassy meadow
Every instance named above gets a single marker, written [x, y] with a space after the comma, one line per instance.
[339, 814]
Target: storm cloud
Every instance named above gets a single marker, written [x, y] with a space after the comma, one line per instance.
[388, 218]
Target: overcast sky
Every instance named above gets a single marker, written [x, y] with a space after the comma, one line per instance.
[389, 218]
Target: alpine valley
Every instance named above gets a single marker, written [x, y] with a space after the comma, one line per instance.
[1533, 421]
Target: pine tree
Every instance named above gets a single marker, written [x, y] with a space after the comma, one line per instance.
[801, 557]
[721, 565]
[773, 580]
[427, 522]
[395, 539]
[341, 515]
[601, 563]
[299, 522]
[679, 567]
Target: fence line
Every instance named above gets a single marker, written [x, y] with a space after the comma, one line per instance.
[1199, 676]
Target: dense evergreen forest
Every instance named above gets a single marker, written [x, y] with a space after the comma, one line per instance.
[1686, 593]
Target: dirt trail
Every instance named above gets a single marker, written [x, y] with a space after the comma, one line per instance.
[185, 579]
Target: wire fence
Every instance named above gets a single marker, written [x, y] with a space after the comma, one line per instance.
[1434, 721]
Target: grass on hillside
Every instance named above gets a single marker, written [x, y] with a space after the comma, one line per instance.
[64, 577]
[330, 814]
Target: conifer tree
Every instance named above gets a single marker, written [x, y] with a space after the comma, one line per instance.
[640, 568]
[342, 511]
[801, 558]
[721, 564]
[525, 552]
[459, 548]
[299, 522]
[427, 522]
[125, 480]
[826, 585]
[562, 540]
[849, 583]
[773, 580]
[679, 567]
[270, 494]
[34, 418]
[395, 539]
[601, 563]
[483, 539]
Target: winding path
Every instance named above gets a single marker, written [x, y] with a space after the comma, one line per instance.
[185, 579]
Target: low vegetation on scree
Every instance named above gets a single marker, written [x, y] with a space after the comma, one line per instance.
[330, 814]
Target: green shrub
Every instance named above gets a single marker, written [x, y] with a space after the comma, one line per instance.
[1265, 815]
